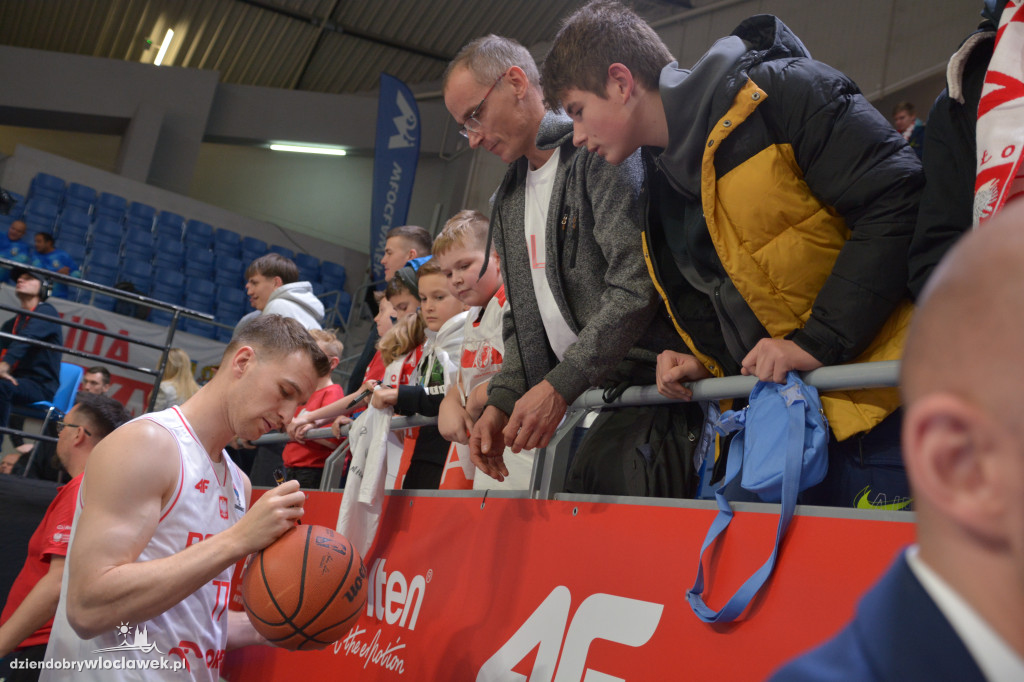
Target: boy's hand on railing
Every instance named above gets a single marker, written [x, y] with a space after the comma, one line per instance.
[675, 368]
[298, 426]
[343, 420]
[453, 421]
[772, 358]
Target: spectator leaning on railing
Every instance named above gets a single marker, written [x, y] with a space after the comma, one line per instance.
[779, 209]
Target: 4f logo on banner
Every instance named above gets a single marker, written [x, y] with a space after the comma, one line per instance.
[565, 644]
[405, 123]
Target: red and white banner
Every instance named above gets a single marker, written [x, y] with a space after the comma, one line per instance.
[129, 388]
[503, 589]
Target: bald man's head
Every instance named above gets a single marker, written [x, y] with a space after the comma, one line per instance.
[969, 326]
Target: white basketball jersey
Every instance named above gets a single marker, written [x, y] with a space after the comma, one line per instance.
[209, 498]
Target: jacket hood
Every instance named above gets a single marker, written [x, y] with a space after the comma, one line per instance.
[299, 294]
[690, 94]
[555, 130]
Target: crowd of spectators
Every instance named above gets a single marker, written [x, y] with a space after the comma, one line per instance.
[751, 215]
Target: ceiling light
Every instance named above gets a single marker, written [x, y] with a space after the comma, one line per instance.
[330, 151]
[163, 47]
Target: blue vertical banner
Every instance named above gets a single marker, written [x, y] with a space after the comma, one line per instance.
[396, 154]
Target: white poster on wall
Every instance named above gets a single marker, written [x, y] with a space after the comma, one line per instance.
[128, 387]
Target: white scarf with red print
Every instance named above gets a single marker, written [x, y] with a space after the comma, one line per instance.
[1000, 132]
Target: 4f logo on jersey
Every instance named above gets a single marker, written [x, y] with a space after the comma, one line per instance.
[202, 485]
[561, 650]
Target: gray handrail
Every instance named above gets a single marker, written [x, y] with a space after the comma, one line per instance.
[550, 463]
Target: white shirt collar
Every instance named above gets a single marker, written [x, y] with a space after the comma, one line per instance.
[998, 662]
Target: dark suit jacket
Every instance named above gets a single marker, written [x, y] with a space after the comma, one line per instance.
[898, 634]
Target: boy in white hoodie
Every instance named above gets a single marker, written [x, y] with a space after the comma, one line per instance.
[273, 286]
[444, 316]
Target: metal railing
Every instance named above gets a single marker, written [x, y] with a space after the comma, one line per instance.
[551, 463]
[177, 312]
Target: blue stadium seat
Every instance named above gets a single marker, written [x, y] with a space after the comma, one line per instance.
[106, 234]
[304, 261]
[73, 216]
[252, 249]
[201, 287]
[227, 243]
[171, 221]
[200, 328]
[198, 234]
[138, 246]
[229, 271]
[80, 196]
[42, 210]
[169, 254]
[332, 274]
[141, 213]
[76, 250]
[111, 206]
[284, 251]
[224, 335]
[18, 209]
[139, 273]
[198, 262]
[48, 186]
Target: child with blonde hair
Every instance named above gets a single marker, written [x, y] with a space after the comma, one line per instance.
[460, 251]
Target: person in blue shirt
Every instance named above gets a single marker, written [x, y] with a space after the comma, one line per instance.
[48, 257]
[14, 246]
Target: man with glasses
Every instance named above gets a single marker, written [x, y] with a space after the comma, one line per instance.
[565, 225]
[28, 615]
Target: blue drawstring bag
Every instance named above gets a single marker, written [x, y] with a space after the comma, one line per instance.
[781, 449]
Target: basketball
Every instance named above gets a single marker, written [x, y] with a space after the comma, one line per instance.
[305, 590]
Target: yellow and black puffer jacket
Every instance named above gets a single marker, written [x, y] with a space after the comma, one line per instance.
[809, 198]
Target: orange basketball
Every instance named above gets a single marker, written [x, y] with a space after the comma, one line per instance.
[305, 590]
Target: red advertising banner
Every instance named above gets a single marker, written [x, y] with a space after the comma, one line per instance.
[502, 589]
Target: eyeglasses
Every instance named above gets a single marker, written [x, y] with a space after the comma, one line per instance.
[61, 425]
[472, 124]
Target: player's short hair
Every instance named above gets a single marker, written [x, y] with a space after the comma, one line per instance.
[101, 413]
[467, 228]
[490, 56]
[593, 38]
[279, 336]
[273, 265]
[100, 370]
[418, 237]
[328, 342]
[47, 237]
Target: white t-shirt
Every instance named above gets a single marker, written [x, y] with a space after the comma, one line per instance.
[539, 184]
[482, 345]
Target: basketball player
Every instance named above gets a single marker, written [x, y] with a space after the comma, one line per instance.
[162, 518]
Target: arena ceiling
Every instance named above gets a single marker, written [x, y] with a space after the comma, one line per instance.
[334, 46]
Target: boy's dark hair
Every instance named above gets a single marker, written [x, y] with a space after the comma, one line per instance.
[279, 336]
[404, 280]
[103, 414]
[100, 370]
[415, 235]
[489, 56]
[596, 36]
[47, 237]
[274, 265]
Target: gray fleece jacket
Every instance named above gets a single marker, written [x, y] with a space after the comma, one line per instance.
[595, 267]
